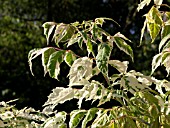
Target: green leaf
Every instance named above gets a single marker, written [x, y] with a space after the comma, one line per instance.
[101, 20]
[69, 58]
[150, 98]
[51, 34]
[73, 40]
[80, 69]
[165, 30]
[47, 26]
[154, 30]
[54, 62]
[102, 58]
[80, 42]
[130, 123]
[154, 16]
[122, 45]
[156, 61]
[45, 57]
[101, 120]
[60, 95]
[89, 47]
[89, 116]
[75, 117]
[63, 32]
[153, 111]
[142, 4]
[155, 124]
[166, 61]
[163, 41]
[122, 36]
[120, 66]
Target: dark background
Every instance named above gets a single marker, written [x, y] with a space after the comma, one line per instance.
[21, 31]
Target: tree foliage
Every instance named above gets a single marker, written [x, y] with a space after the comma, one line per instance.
[139, 104]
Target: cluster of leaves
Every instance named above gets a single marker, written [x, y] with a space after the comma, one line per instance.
[140, 105]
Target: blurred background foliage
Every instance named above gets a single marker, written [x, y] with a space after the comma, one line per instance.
[21, 31]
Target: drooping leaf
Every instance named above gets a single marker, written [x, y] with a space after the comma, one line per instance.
[142, 4]
[154, 22]
[57, 121]
[45, 57]
[80, 42]
[104, 51]
[51, 34]
[81, 68]
[89, 47]
[166, 61]
[156, 61]
[69, 58]
[154, 30]
[122, 36]
[89, 116]
[163, 41]
[63, 32]
[154, 16]
[158, 2]
[75, 117]
[120, 66]
[101, 120]
[47, 26]
[33, 54]
[73, 40]
[60, 95]
[122, 45]
[142, 31]
[54, 62]
[165, 30]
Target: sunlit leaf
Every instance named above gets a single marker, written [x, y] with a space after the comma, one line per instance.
[89, 47]
[73, 40]
[54, 62]
[142, 31]
[45, 57]
[75, 117]
[81, 68]
[57, 121]
[156, 61]
[102, 19]
[69, 58]
[120, 66]
[49, 26]
[33, 54]
[163, 41]
[158, 2]
[154, 30]
[60, 95]
[102, 58]
[63, 32]
[101, 120]
[165, 29]
[142, 4]
[166, 61]
[122, 45]
[154, 16]
[89, 116]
